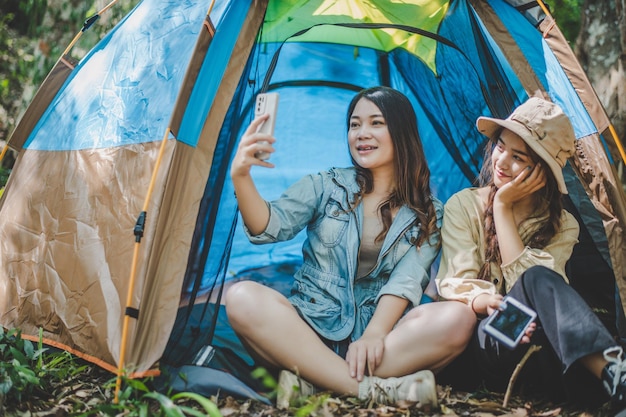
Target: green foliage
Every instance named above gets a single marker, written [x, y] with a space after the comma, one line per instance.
[33, 35]
[28, 372]
[4, 177]
[18, 361]
[567, 14]
[138, 400]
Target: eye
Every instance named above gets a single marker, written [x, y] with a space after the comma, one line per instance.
[354, 125]
[378, 122]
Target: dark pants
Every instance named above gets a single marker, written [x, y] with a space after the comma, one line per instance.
[567, 330]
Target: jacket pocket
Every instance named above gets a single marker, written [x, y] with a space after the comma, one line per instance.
[332, 227]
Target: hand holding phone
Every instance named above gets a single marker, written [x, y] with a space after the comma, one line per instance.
[509, 324]
[266, 103]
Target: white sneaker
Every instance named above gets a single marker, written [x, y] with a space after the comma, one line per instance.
[419, 387]
[292, 389]
[614, 378]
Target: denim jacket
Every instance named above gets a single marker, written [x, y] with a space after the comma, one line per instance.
[325, 291]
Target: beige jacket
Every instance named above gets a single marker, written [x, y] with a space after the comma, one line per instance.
[463, 250]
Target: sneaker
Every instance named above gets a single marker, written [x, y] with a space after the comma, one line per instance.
[419, 387]
[614, 378]
[292, 389]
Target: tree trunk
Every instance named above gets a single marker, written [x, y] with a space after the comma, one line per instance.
[601, 50]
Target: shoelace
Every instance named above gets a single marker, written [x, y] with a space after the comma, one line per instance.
[383, 392]
[618, 365]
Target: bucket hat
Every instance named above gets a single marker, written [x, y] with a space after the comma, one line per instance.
[545, 129]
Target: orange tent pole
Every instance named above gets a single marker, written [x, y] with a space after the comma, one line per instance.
[90, 21]
[138, 234]
[4, 151]
[131, 286]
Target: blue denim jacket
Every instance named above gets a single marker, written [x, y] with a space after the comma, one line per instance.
[325, 290]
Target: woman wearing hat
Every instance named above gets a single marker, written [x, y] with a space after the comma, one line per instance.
[512, 237]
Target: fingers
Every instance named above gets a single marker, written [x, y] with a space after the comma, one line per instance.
[528, 334]
[256, 123]
[494, 303]
[533, 178]
[251, 145]
[363, 359]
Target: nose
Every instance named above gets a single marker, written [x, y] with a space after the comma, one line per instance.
[502, 160]
[363, 132]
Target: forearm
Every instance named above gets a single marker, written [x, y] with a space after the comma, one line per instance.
[252, 206]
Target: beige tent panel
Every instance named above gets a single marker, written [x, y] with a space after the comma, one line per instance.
[67, 250]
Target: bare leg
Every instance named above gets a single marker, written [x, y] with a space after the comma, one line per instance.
[429, 336]
[267, 323]
[595, 363]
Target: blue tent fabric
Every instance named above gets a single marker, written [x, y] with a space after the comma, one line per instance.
[123, 91]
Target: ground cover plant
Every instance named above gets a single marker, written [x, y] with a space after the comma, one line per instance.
[36, 380]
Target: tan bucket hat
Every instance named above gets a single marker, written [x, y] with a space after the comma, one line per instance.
[545, 129]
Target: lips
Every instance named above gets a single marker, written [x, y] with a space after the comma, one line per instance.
[363, 148]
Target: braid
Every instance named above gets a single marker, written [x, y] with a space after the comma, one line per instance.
[492, 250]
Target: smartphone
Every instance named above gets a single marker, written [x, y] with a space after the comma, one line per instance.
[266, 103]
[509, 324]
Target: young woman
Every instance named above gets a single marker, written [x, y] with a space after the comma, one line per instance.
[372, 234]
[512, 236]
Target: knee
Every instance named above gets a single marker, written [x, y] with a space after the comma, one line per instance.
[540, 277]
[456, 324]
[239, 302]
[464, 320]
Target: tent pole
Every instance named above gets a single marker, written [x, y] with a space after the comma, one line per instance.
[4, 151]
[86, 25]
[544, 8]
[138, 231]
[618, 142]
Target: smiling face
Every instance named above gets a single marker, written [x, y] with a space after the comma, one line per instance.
[368, 137]
[509, 157]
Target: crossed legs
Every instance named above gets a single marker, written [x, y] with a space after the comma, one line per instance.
[428, 337]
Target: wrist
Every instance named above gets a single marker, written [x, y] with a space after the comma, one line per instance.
[480, 312]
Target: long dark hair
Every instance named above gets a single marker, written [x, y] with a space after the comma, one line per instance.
[548, 199]
[411, 169]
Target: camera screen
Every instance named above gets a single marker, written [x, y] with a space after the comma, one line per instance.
[511, 321]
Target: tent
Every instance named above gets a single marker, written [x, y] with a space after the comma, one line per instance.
[119, 227]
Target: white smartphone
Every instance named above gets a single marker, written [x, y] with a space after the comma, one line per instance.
[509, 324]
[266, 103]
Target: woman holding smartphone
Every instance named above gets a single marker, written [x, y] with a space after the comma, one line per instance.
[353, 323]
[512, 237]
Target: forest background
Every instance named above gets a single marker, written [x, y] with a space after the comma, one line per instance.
[34, 34]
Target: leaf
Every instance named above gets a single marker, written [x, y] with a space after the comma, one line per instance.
[18, 356]
[209, 406]
[167, 405]
[5, 384]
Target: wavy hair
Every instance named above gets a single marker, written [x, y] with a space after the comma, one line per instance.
[411, 169]
[548, 200]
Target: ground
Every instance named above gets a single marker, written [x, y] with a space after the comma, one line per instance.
[90, 392]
